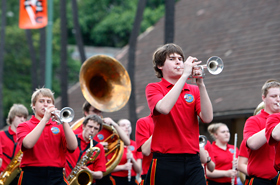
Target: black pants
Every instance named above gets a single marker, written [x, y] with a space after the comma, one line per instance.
[181, 169]
[42, 176]
[260, 181]
[217, 183]
[106, 180]
[124, 181]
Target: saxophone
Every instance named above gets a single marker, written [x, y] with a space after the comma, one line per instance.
[79, 176]
[12, 170]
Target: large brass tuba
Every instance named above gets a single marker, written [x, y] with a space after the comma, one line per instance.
[106, 85]
[259, 108]
[12, 170]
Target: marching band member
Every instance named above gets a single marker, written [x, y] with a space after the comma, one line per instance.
[130, 164]
[44, 143]
[272, 127]
[143, 134]
[261, 154]
[223, 155]
[175, 107]
[18, 113]
[88, 109]
[92, 124]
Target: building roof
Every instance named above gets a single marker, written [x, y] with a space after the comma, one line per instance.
[245, 34]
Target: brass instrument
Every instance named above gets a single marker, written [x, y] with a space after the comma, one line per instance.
[202, 141]
[214, 66]
[64, 115]
[105, 83]
[12, 170]
[115, 146]
[80, 176]
[259, 108]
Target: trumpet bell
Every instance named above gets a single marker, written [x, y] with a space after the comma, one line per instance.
[215, 65]
[105, 83]
[66, 115]
[202, 141]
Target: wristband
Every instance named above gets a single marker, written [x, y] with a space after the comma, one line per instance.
[209, 160]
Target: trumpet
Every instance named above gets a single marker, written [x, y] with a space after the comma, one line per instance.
[64, 115]
[202, 141]
[214, 65]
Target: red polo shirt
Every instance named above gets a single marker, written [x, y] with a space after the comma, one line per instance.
[260, 162]
[136, 155]
[50, 149]
[144, 129]
[271, 122]
[178, 131]
[9, 147]
[99, 164]
[243, 150]
[223, 160]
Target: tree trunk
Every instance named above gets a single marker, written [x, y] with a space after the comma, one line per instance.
[131, 62]
[169, 21]
[2, 53]
[77, 31]
[63, 55]
[34, 79]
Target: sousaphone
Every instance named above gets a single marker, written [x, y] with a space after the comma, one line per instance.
[106, 85]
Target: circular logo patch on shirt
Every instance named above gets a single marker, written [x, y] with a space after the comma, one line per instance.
[100, 137]
[231, 150]
[55, 130]
[131, 148]
[189, 98]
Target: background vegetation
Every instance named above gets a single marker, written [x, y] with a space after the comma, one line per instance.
[103, 23]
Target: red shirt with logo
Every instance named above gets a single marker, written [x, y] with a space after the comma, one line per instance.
[223, 160]
[178, 131]
[9, 147]
[271, 122]
[136, 155]
[99, 164]
[144, 129]
[260, 162]
[50, 149]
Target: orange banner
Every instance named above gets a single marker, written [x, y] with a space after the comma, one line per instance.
[33, 14]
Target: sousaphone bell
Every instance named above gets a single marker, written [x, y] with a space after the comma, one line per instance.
[105, 83]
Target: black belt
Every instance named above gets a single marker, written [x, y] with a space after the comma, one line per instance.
[42, 169]
[168, 155]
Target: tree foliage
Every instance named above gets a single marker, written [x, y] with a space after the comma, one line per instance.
[109, 22]
[103, 23]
